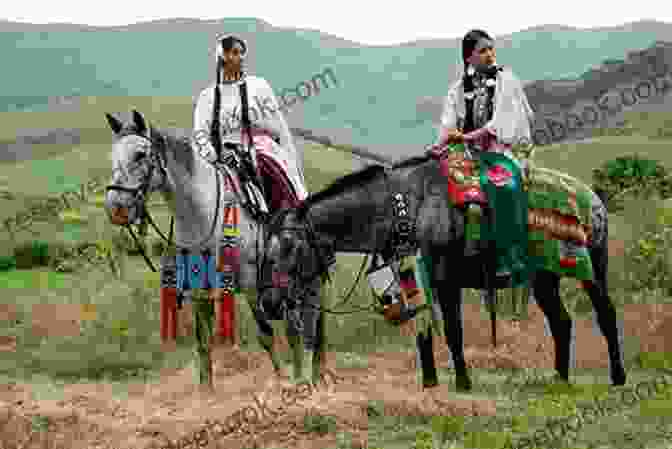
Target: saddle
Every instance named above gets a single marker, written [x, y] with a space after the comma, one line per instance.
[536, 218]
[261, 195]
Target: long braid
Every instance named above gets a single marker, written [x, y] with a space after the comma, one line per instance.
[215, 135]
[468, 83]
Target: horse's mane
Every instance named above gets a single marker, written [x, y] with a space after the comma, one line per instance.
[411, 161]
[357, 179]
[343, 184]
[174, 136]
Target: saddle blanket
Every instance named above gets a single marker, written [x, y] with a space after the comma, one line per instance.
[283, 159]
[277, 164]
[558, 208]
[200, 270]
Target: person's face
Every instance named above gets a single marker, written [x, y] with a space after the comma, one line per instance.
[487, 56]
[484, 54]
[233, 58]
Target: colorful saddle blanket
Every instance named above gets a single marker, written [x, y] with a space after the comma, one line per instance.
[558, 209]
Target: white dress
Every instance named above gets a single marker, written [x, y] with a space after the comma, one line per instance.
[264, 113]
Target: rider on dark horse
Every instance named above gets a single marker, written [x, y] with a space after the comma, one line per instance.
[486, 110]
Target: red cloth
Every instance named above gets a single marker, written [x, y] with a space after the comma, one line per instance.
[276, 185]
[227, 316]
[168, 314]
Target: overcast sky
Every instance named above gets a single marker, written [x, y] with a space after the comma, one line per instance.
[372, 22]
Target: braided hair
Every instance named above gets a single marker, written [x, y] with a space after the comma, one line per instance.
[469, 43]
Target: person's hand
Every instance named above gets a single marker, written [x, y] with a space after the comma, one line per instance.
[455, 136]
[436, 150]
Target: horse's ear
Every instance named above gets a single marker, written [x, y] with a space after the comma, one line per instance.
[140, 123]
[114, 123]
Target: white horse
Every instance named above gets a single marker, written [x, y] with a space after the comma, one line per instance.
[147, 160]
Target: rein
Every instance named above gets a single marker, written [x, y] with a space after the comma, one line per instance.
[309, 230]
[140, 193]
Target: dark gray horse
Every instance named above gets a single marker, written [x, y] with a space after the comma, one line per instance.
[354, 213]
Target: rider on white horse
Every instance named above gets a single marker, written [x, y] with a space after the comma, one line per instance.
[276, 159]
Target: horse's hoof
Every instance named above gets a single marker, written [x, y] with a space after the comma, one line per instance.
[282, 373]
[430, 384]
[206, 389]
[561, 378]
[463, 383]
[619, 379]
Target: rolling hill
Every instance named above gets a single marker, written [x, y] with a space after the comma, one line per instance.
[385, 97]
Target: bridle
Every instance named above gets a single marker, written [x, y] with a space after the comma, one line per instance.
[307, 231]
[156, 148]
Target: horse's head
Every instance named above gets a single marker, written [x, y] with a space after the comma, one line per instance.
[294, 249]
[138, 168]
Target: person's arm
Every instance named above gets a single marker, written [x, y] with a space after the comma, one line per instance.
[488, 138]
[449, 130]
[200, 138]
[478, 134]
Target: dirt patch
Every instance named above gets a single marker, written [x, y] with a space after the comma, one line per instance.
[8, 312]
[173, 410]
[616, 248]
[63, 320]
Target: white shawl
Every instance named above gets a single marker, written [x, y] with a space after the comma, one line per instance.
[512, 116]
[259, 92]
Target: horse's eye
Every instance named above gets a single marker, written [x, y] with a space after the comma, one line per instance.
[138, 157]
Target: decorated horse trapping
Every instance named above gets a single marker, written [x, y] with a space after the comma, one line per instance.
[404, 302]
[557, 207]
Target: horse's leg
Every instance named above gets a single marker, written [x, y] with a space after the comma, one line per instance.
[204, 311]
[425, 344]
[320, 360]
[425, 348]
[449, 294]
[310, 316]
[296, 345]
[547, 294]
[265, 335]
[606, 313]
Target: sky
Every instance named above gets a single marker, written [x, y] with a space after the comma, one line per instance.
[368, 22]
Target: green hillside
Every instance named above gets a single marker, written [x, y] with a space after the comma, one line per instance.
[378, 87]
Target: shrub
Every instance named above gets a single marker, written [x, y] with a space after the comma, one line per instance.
[630, 175]
[7, 263]
[647, 261]
[31, 254]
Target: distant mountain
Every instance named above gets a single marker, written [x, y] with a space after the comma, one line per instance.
[386, 98]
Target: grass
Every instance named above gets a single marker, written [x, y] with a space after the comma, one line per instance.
[122, 344]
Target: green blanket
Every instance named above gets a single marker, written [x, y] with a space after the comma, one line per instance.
[542, 217]
[565, 203]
